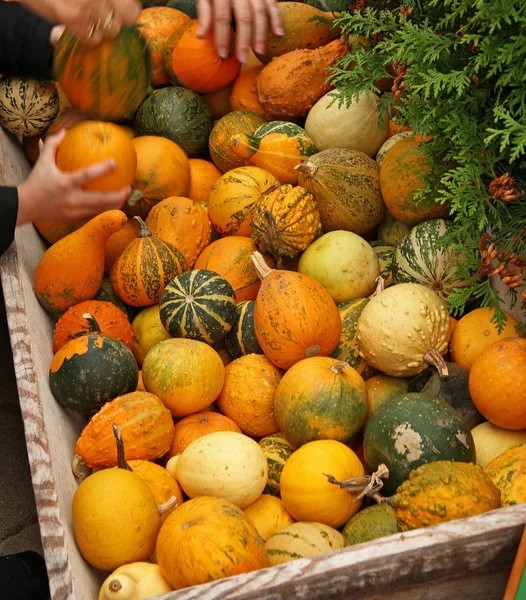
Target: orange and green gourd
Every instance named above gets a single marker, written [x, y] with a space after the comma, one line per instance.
[508, 473]
[241, 339]
[277, 450]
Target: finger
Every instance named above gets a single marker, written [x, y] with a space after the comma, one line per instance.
[243, 14]
[52, 143]
[260, 26]
[100, 201]
[276, 22]
[112, 26]
[204, 15]
[127, 11]
[55, 35]
[84, 176]
[222, 31]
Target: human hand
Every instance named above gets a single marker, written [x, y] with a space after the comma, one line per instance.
[252, 21]
[55, 34]
[48, 194]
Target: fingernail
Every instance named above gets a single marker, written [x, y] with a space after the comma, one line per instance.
[280, 31]
[223, 53]
[200, 32]
[259, 49]
[243, 57]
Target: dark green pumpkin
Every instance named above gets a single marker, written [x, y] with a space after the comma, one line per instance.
[178, 114]
[241, 339]
[200, 305]
[107, 294]
[411, 430]
[189, 7]
[91, 370]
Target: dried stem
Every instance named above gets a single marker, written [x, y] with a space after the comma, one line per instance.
[433, 357]
[370, 485]
[261, 266]
[121, 460]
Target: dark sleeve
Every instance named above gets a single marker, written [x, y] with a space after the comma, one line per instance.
[9, 211]
[24, 42]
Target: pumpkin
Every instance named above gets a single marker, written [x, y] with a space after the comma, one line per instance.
[318, 399]
[66, 120]
[347, 349]
[186, 375]
[497, 383]
[475, 332]
[218, 102]
[145, 424]
[300, 540]
[392, 231]
[224, 464]
[371, 523]
[508, 473]
[107, 294]
[203, 175]
[241, 339]
[385, 253]
[198, 425]
[31, 147]
[216, 531]
[385, 329]
[304, 26]
[381, 389]
[116, 243]
[413, 429]
[27, 106]
[291, 84]
[157, 24]
[244, 94]
[182, 223]
[111, 320]
[306, 491]
[162, 172]
[278, 147]
[344, 263]
[277, 451]
[268, 515]
[248, 394]
[223, 155]
[148, 331]
[205, 75]
[61, 279]
[234, 197]
[346, 186]
[179, 115]
[200, 305]
[421, 258]
[388, 144]
[108, 81]
[355, 125]
[492, 441]
[402, 174]
[443, 491]
[295, 317]
[143, 269]
[53, 231]
[134, 581]
[89, 142]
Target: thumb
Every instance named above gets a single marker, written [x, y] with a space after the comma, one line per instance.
[52, 143]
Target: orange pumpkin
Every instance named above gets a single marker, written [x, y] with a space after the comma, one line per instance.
[197, 425]
[157, 25]
[234, 198]
[230, 257]
[89, 142]
[248, 394]
[244, 94]
[395, 128]
[218, 102]
[144, 268]
[116, 243]
[217, 532]
[193, 61]
[203, 175]
[145, 424]
[66, 120]
[402, 174]
[497, 383]
[184, 224]
[110, 319]
[53, 231]
[238, 122]
[294, 317]
[162, 172]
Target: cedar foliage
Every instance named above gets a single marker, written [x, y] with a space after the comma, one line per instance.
[465, 86]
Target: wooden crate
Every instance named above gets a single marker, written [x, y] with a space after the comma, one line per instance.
[468, 559]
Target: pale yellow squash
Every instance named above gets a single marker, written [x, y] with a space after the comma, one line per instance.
[135, 581]
[268, 515]
[492, 441]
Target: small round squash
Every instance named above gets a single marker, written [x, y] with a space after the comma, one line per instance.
[508, 473]
[268, 515]
[277, 450]
[135, 581]
[382, 388]
[147, 332]
[369, 524]
[491, 441]
[203, 175]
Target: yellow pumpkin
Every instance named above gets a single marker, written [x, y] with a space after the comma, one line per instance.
[268, 515]
[491, 441]
[508, 473]
[147, 332]
[135, 581]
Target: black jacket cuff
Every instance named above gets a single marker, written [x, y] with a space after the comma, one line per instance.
[9, 208]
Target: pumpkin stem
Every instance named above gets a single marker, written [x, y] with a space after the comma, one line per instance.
[309, 168]
[271, 188]
[76, 465]
[339, 367]
[433, 357]
[93, 325]
[168, 505]
[135, 197]
[143, 229]
[370, 485]
[121, 460]
[380, 287]
[261, 266]
[244, 146]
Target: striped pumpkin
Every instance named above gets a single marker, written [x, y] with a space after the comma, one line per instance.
[277, 450]
[421, 258]
[200, 305]
[347, 349]
[27, 106]
[241, 339]
[385, 253]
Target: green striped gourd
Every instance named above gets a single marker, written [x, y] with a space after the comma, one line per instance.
[420, 258]
[388, 144]
[277, 450]
[300, 540]
[385, 253]
[241, 339]
[200, 305]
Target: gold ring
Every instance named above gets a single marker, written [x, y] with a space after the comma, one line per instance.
[109, 20]
[99, 22]
[91, 31]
